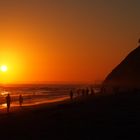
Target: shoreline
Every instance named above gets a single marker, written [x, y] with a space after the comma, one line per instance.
[33, 106]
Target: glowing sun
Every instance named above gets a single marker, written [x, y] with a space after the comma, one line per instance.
[3, 68]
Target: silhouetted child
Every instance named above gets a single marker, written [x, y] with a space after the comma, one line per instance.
[71, 95]
[20, 100]
[8, 102]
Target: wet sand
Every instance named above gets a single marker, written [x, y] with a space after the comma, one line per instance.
[31, 103]
[88, 118]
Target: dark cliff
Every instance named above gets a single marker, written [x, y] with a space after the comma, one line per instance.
[127, 73]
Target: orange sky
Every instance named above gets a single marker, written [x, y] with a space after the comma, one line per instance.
[65, 41]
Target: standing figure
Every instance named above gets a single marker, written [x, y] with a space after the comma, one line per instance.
[8, 102]
[71, 95]
[83, 92]
[92, 91]
[87, 92]
[20, 100]
[78, 92]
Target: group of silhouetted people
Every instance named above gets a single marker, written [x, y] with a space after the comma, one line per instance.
[8, 101]
[82, 92]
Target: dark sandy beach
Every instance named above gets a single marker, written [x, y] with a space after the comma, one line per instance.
[88, 118]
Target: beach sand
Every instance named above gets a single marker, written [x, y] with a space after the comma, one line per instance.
[84, 118]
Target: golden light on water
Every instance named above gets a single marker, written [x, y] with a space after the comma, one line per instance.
[4, 93]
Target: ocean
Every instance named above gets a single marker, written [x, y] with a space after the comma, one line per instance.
[38, 94]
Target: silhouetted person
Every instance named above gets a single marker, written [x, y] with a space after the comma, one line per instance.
[87, 92]
[20, 100]
[8, 102]
[103, 90]
[71, 95]
[92, 91]
[78, 92]
[83, 92]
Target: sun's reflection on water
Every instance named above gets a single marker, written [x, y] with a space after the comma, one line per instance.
[33, 103]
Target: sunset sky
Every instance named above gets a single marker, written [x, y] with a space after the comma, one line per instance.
[65, 40]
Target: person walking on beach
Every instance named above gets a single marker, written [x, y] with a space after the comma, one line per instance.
[8, 102]
[71, 95]
[92, 91]
[20, 100]
[78, 92]
[83, 92]
[87, 92]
